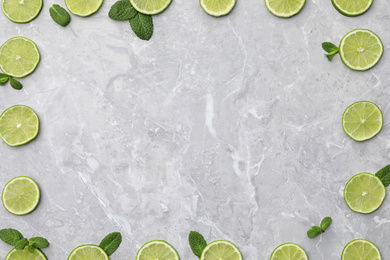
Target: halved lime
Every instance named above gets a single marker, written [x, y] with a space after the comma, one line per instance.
[18, 125]
[21, 11]
[150, 7]
[88, 252]
[352, 7]
[217, 7]
[364, 193]
[361, 49]
[20, 195]
[289, 251]
[83, 7]
[24, 254]
[361, 249]
[19, 57]
[362, 120]
[221, 250]
[285, 8]
[157, 249]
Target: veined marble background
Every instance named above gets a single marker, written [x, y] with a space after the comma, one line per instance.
[229, 126]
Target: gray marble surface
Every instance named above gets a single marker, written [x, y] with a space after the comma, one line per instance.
[229, 126]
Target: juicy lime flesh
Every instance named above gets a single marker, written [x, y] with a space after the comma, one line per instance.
[150, 6]
[19, 57]
[21, 195]
[361, 249]
[88, 252]
[352, 7]
[361, 49]
[364, 193]
[157, 250]
[218, 7]
[18, 125]
[83, 7]
[21, 11]
[25, 255]
[221, 250]
[362, 120]
[284, 8]
[289, 252]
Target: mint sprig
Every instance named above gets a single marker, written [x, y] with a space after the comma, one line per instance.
[197, 243]
[10, 236]
[315, 230]
[331, 49]
[111, 242]
[384, 175]
[122, 11]
[21, 244]
[59, 15]
[14, 83]
[16, 239]
[3, 79]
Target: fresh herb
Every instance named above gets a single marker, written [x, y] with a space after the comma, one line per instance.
[3, 78]
[15, 84]
[331, 49]
[10, 236]
[197, 243]
[111, 242]
[384, 175]
[315, 230]
[16, 239]
[59, 15]
[122, 11]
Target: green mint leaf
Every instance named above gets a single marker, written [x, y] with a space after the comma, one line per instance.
[384, 175]
[3, 78]
[111, 242]
[329, 47]
[31, 248]
[21, 244]
[10, 236]
[122, 10]
[325, 223]
[197, 243]
[15, 84]
[314, 231]
[142, 26]
[39, 242]
[59, 15]
[331, 54]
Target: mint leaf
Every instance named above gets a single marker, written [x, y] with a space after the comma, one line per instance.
[31, 248]
[59, 15]
[3, 78]
[142, 26]
[331, 54]
[329, 47]
[122, 10]
[314, 231]
[21, 244]
[15, 84]
[325, 223]
[111, 242]
[10, 236]
[384, 175]
[197, 243]
[39, 242]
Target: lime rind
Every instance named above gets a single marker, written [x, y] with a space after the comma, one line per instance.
[288, 244]
[166, 244]
[104, 255]
[25, 254]
[18, 20]
[206, 3]
[271, 4]
[143, 7]
[343, 255]
[86, 10]
[218, 242]
[351, 14]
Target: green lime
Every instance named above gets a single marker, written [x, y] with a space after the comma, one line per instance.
[24, 254]
[221, 250]
[20, 195]
[361, 49]
[19, 57]
[83, 7]
[157, 249]
[217, 7]
[88, 252]
[21, 11]
[362, 120]
[289, 251]
[150, 7]
[361, 249]
[364, 193]
[352, 7]
[285, 8]
[18, 125]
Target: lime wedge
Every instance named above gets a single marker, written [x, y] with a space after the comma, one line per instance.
[18, 125]
[83, 7]
[19, 57]
[221, 250]
[364, 193]
[157, 249]
[362, 120]
[20, 195]
[217, 7]
[25, 255]
[352, 7]
[21, 11]
[285, 8]
[289, 251]
[150, 7]
[361, 249]
[361, 49]
[88, 252]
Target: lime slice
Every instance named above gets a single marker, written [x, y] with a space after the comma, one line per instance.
[83, 7]
[18, 125]
[361, 249]
[157, 249]
[150, 7]
[364, 193]
[19, 57]
[361, 49]
[285, 8]
[221, 250]
[362, 120]
[289, 251]
[25, 255]
[352, 7]
[88, 252]
[20, 195]
[217, 7]
[21, 11]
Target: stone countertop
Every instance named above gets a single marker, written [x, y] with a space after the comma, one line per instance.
[229, 126]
